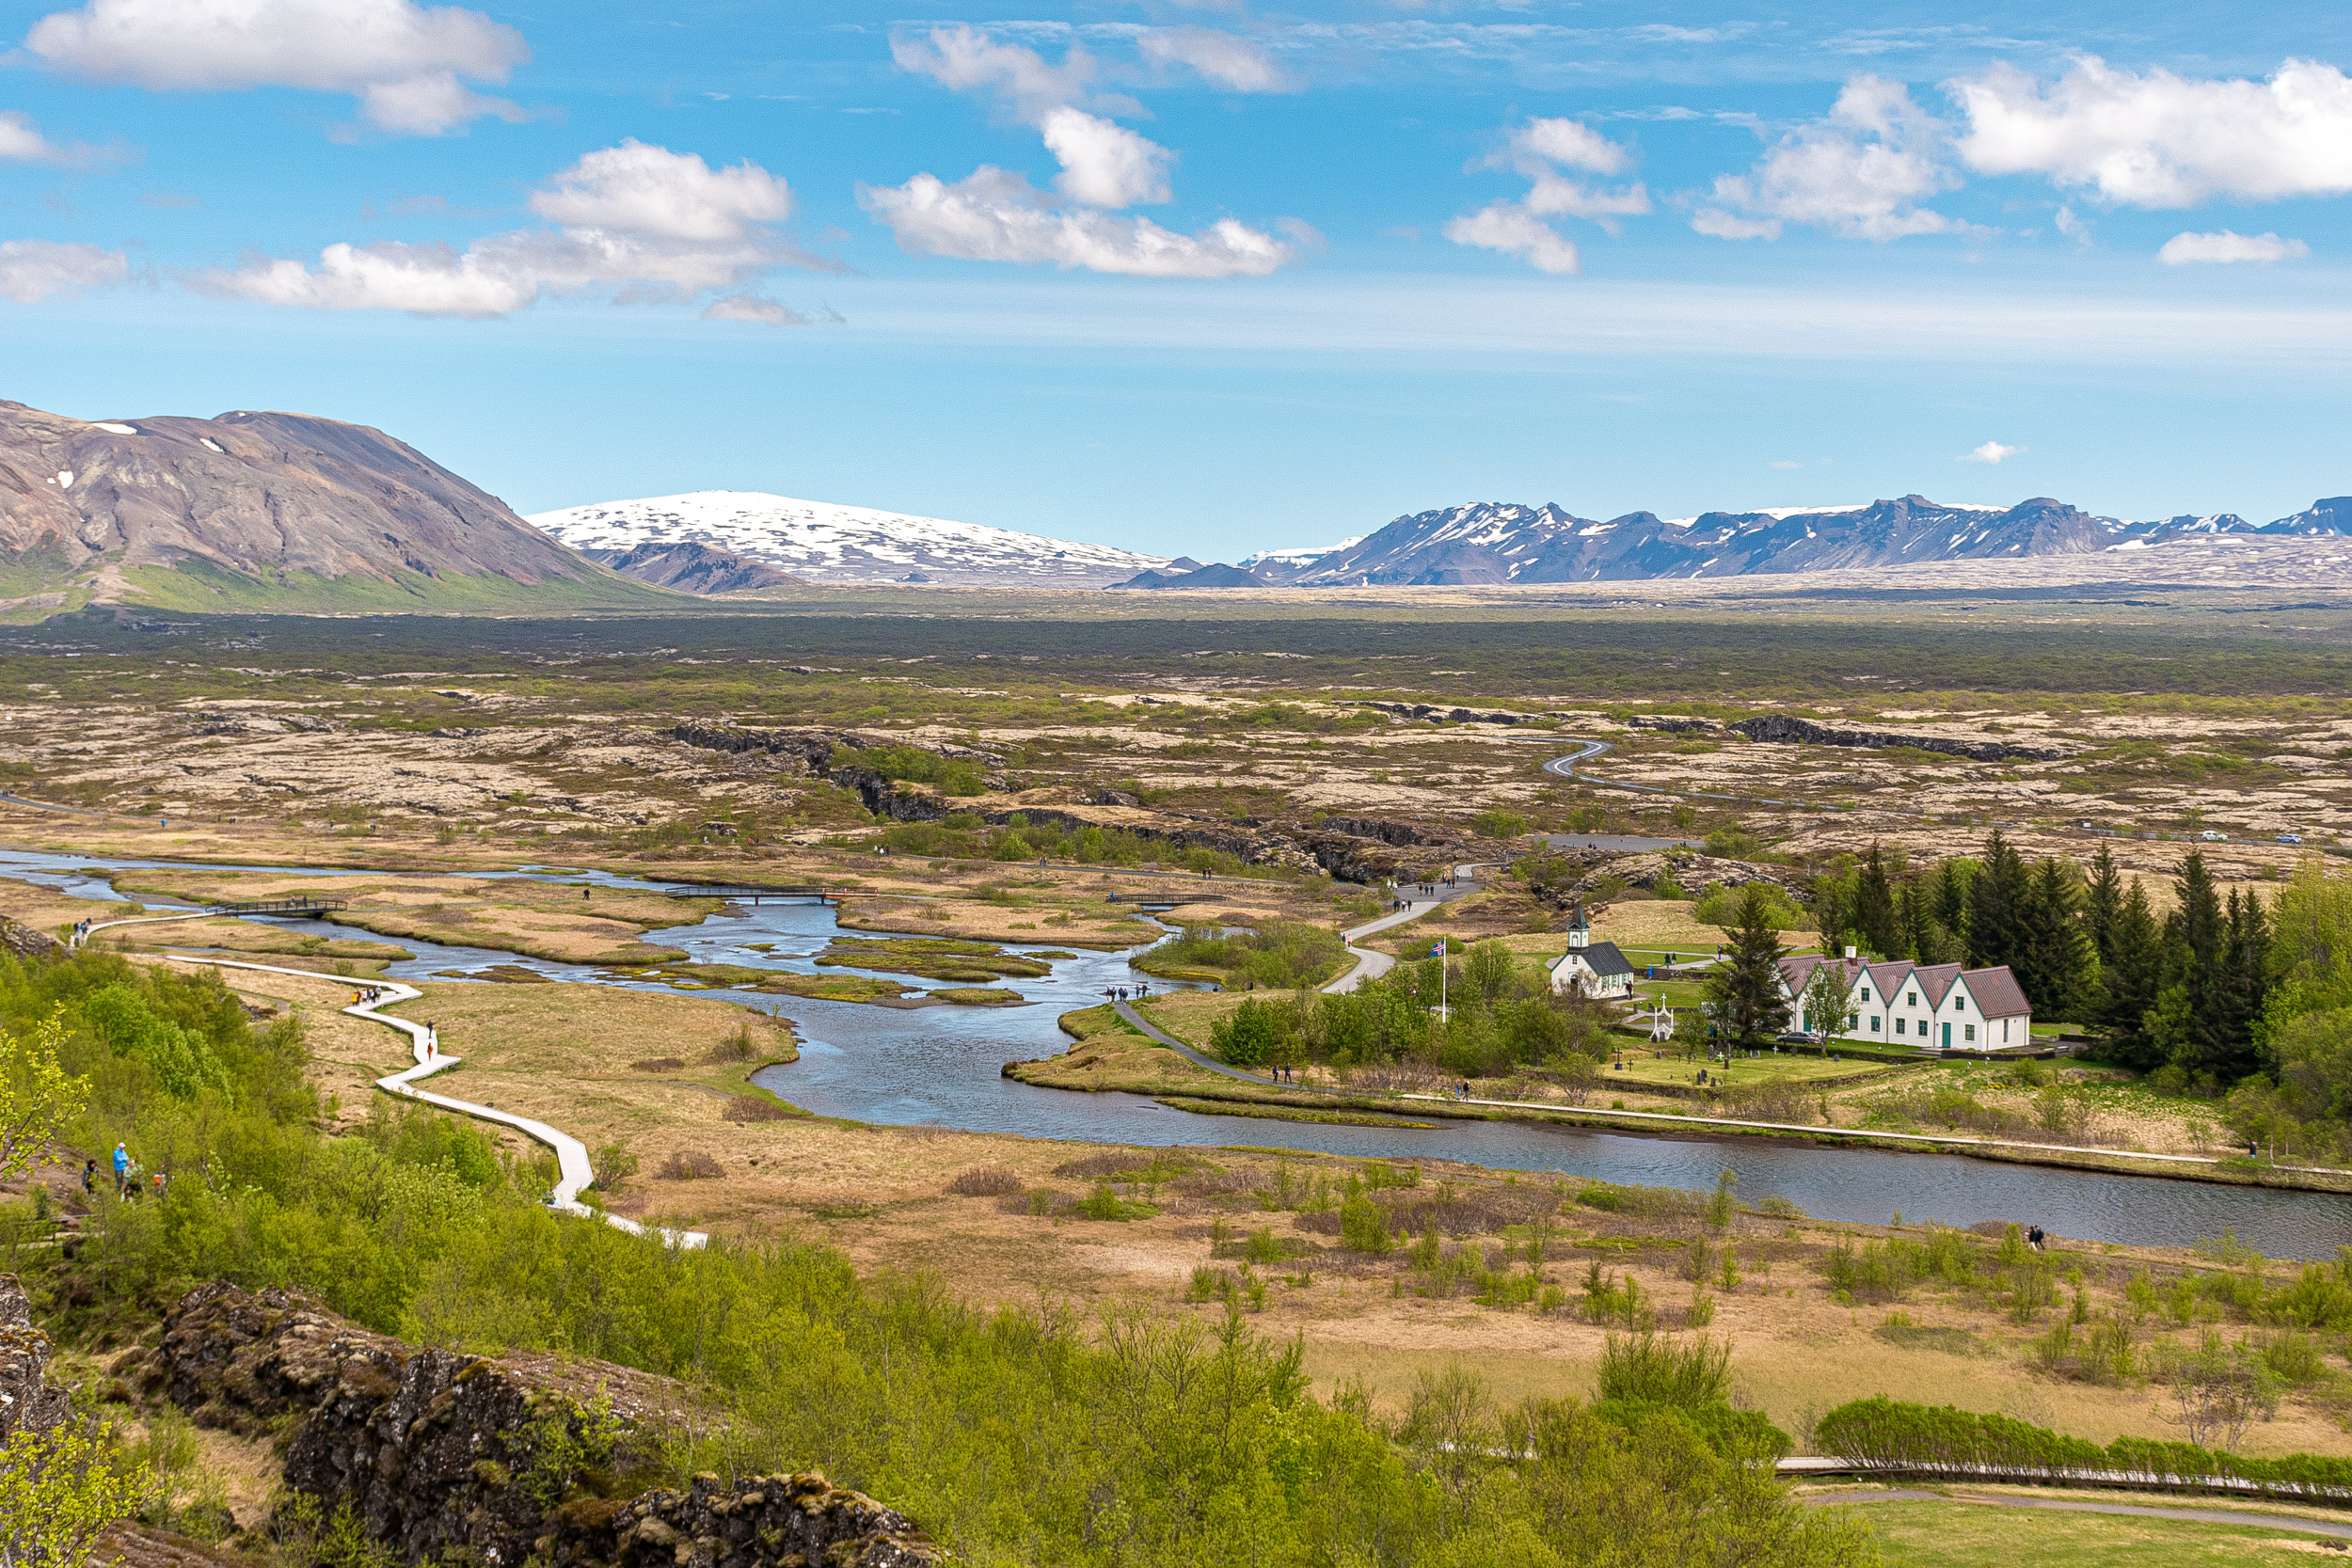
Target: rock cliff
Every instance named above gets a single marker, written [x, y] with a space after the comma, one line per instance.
[498, 1460]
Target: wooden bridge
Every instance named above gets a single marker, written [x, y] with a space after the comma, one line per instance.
[297, 907]
[745, 895]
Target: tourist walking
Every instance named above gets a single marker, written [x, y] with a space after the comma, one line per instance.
[122, 1168]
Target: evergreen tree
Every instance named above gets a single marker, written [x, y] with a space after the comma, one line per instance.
[1833, 912]
[1996, 895]
[2190, 1021]
[1873, 916]
[2102, 904]
[1915, 918]
[2056, 964]
[2245, 985]
[1952, 895]
[2129, 982]
[1744, 993]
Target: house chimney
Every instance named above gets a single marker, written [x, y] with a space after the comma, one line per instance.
[1850, 950]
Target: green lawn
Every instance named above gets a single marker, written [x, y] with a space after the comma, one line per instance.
[1642, 1068]
[1973, 1535]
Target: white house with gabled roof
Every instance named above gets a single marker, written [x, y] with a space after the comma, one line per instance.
[1925, 1006]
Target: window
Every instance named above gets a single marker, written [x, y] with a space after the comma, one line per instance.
[1874, 1023]
[1923, 1026]
[1970, 1031]
[2004, 1031]
[1960, 1003]
[1866, 993]
[1899, 1026]
[1854, 1021]
[1914, 998]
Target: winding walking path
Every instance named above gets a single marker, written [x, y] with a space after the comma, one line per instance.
[571, 1155]
[2070, 1505]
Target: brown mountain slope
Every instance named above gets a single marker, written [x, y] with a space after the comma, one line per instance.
[692, 568]
[251, 510]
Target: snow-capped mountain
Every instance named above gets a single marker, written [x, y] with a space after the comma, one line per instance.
[1491, 542]
[822, 543]
[1497, 543]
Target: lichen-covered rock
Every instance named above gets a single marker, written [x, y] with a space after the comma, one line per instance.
[491, 1460]
[24, 941]
[26, 1399]
[798, 1521]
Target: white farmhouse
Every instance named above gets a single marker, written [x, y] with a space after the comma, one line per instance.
[1590, 968]
[1926, 1007]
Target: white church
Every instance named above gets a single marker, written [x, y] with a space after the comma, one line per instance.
[1926, 1007]
[1590, 968]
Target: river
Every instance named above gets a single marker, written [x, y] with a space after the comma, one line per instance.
[941, 1066]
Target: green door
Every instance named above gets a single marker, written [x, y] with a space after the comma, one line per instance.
[1947, 1036]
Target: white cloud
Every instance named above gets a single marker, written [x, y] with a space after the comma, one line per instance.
[1540, 150]
[2227, 245]
[2155, 139]
[21, 141]
[1104, 165]
[32, 270]
[2072, 226]
[1230, 61]
[640, 222]
[753, 308]
[1787, 463]
[1858, 174]
[995, 214]
[1568, 143]
[637, 189]
[407, 64]
[1991, 452]
[1511, 228]
[962, 59]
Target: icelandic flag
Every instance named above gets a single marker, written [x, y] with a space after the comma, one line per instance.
[1436, 949]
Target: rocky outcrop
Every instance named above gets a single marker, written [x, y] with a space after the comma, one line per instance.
[692, 568]
[27, 1402]
[1673, 725]
[1401, 834]
[1782, 728]
[24, 941]
[497, 1461]
[794, 1521]
[1454, 715]
[1586, 875]
[887, 796]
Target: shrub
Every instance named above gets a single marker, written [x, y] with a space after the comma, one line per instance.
[985, 1182]
[1647, 1370]
[659, 1064]
[613, 1165]
[688, 1165]
[1362, 1226]
[744, 1108]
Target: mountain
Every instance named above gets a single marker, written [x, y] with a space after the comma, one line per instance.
[265, 511]
[1216, 574]
[694, 569]
[2330, 514]
[1496, 543]
[831, 545]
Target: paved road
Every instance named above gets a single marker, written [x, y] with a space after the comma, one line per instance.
[2069, 1505]
[1371, 963]
[571, 1155]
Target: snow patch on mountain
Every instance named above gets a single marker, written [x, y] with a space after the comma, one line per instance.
[824, 542]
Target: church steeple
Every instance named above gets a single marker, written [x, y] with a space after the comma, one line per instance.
[1580, 929]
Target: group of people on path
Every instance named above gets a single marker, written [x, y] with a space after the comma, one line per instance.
[1127, 993]
[368, 996]
[127, 1183]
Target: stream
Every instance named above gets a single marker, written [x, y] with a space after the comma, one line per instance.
[940, 1066]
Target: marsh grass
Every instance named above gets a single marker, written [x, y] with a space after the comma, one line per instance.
[688, 1165]
[985, 1182]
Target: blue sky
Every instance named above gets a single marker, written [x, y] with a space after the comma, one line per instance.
[1209, 276]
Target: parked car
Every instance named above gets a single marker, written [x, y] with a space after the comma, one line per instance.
[2290, 838]
[2214, 836]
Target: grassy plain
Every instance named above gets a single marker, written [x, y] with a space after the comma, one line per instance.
[1973, 1530]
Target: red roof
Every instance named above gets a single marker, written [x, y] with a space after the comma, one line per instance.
[1997, 993]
